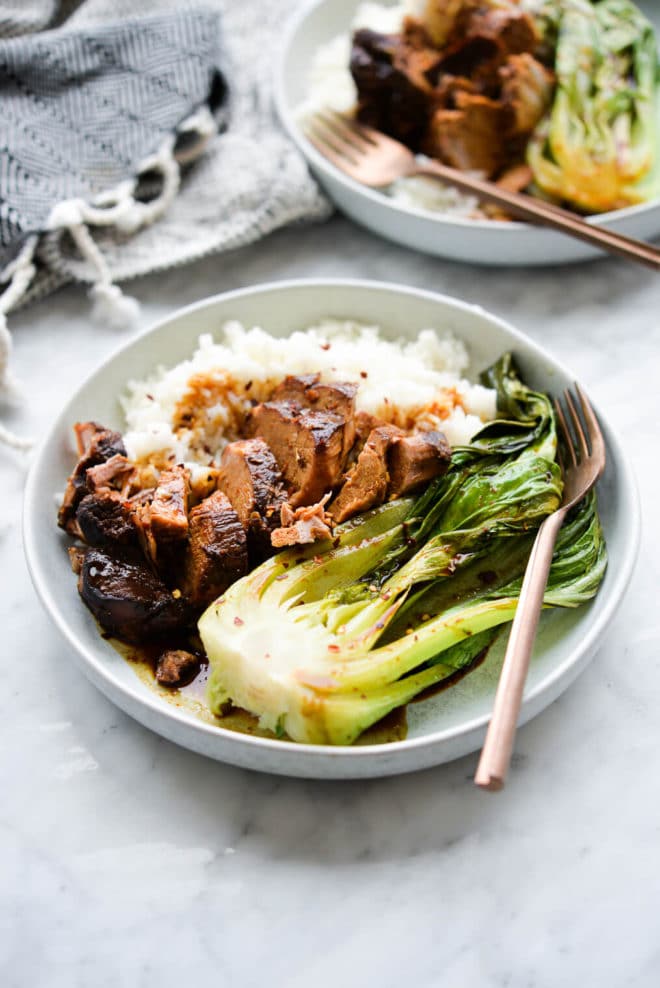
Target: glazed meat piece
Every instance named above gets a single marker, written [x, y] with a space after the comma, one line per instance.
[309, 447]
[415, 460]
[113, 473]
[366, 483]
[527, 88]
[295, 387]
[96, 444]
[335, 396]
[176, 667]
[443, 18]
[251, 479]
[303, 526]
[393, 76]
[217, 550]
[509, 27]
[127, 599]
[470, 137]
[104, 519]
[169, 507]
[160, 517]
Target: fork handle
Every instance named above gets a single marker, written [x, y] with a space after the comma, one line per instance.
[547, 214]
[496, 752]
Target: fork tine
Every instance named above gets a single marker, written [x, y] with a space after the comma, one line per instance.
[343, 126]
[326, 140]
[583, 447]
[326, 150]
[595, 435]
[566, 432]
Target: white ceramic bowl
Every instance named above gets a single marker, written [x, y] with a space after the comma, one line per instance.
[443, 727]
[476, 241]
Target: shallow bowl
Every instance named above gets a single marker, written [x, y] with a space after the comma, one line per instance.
[476, 241]
[442, 727]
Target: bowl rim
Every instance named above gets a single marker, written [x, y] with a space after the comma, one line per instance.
[94, 662]
[286, 113]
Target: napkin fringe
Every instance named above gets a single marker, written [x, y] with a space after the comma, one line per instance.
[119, 209]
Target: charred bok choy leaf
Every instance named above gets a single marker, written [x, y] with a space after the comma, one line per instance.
[599, 146]
[322, 643]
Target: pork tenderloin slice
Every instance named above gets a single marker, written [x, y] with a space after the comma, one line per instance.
[367, 481]
[308, 446]
[217, 550]
[333, 396]
[415, 460]
[253, 482]
[169, 506]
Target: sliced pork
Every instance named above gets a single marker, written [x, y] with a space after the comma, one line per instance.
[366, 482]
[216, 555]
[253, 482]
[96, 445]
[415, 460]
[308, 445]
[104, 519]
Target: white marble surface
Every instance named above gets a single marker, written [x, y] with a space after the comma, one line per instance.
[125, 861]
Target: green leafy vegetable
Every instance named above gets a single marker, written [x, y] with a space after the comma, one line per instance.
[599, 147]
[322, 643]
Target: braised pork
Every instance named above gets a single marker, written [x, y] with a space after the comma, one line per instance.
[216, 554]
[104, 518]
[392, 74]
[308, 445]
[366, 482]
[415, 460]
[302, 526]
[96, 445]
[176, 667]
[251, 479]
[127, 599]
[469, 137]
[332, 396]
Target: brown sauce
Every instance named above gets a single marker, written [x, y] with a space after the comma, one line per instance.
[192, 697]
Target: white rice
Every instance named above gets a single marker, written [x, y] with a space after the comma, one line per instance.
[419, 382]
[331, 86]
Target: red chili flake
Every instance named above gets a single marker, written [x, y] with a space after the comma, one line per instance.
[333, 648]
[150, 397]
[363, 374]
[238, 622]
[325, 346]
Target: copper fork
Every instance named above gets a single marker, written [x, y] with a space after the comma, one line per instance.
[375, 160]
[586, 455]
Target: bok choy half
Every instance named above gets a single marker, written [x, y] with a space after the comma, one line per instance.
[599, 146]
[321, 643]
